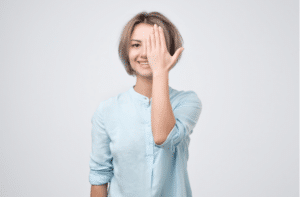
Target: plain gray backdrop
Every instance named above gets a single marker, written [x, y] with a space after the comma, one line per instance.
[59, 60]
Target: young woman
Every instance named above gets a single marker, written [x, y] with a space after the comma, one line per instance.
[140, 138]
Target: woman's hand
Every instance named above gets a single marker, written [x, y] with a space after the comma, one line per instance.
[158, 56]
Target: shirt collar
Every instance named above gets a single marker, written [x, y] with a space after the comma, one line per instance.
[140, 97]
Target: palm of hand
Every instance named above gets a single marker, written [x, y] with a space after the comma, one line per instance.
[158, 56]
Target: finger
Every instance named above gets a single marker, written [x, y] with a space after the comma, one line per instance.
[152, 40]
[157, 41]
[148, 46]
[162, 38]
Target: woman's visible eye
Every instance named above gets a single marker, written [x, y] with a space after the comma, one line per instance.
[137, 45]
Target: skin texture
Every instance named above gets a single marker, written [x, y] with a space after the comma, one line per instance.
[138, 52]
[99, 190]
[153, 80]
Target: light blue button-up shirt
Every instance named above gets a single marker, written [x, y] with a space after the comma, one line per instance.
[125, 155]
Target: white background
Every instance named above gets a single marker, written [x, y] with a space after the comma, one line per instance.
[59, 60]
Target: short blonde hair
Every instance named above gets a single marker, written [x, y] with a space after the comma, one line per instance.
[173, 38]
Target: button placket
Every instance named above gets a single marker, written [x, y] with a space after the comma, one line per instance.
[147, 130]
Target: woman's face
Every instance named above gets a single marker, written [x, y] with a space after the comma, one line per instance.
[137, 49]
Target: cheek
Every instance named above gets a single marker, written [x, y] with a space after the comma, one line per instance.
[132, 55]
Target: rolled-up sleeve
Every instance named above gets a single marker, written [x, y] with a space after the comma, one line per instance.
[186, 113]
[101, 168]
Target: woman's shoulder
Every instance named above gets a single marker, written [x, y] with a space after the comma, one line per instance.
[108, 103]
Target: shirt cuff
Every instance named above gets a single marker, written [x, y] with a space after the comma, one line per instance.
[96, 178]
[171, 141]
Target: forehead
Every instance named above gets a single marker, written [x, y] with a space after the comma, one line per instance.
[141, 31]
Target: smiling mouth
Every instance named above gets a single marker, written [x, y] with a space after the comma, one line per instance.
[144, 63]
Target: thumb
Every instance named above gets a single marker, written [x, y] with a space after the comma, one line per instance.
[175, 57]
[176, 54]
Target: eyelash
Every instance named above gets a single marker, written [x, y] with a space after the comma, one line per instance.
[134, 45]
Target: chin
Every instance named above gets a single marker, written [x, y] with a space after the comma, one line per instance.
[144, 72]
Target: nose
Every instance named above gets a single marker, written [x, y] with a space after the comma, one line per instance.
[144, 50]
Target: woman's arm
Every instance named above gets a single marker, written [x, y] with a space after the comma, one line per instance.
[99, 190]
[161, 62]
[162, 116]
[101, 167]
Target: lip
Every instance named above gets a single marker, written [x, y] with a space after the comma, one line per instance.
[143, 65]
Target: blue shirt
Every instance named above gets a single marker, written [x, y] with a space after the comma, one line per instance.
[125, 155]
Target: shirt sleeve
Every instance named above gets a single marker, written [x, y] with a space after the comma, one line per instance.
[186, 114]
[101, 168]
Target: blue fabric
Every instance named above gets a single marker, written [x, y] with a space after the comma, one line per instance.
[125, 155]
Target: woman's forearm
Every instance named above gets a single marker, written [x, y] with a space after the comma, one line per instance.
[162, 116]
[99, 190]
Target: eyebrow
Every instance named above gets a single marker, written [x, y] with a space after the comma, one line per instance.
[136, 40]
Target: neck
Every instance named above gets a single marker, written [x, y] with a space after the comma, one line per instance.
[144, 86]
